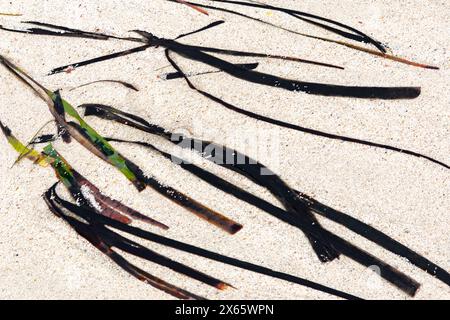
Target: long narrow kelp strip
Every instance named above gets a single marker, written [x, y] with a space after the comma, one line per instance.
[122, 83]
[208, 49]
[337, 31]
[238, 53]
[338, 42]
[297, 127]
[100, 59]
[266, 79]
[362, 36]
[87, 232]
[207, 27]
[252, 171]
[95, 143]
[353, 224]
[107, 204]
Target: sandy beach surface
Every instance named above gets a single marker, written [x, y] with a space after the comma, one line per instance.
[405, 197]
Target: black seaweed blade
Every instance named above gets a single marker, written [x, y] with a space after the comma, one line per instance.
[239, 53]
[193, 206]
[289, 84]
[209, 26]
[100, 59]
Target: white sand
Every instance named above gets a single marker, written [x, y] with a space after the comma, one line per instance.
[407, 198]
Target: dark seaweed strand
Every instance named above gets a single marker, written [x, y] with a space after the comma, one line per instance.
[364, 37]
[176, 196]
[300, 128]
[89, 234]
[200, 210]
[66, 32]
[102, 58]
[209, 26]
[344, 34]
[208, 49]
[90, 216]
[353, 224]
[101, 36]
[110, 113]
[123, 83]
[193, 53]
